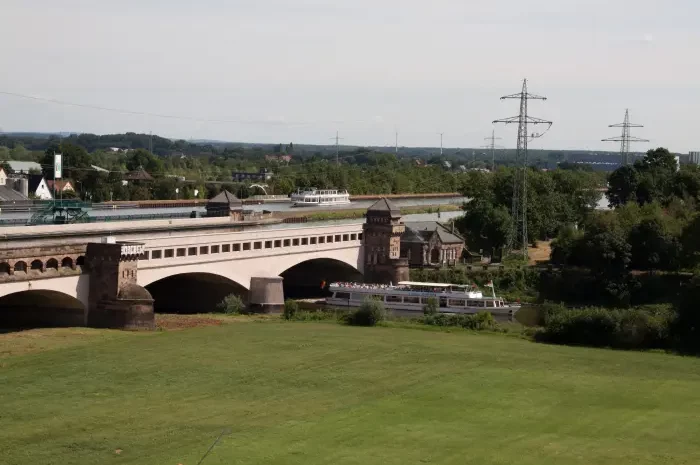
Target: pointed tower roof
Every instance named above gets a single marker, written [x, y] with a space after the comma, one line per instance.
[384, 205]
[225, 197]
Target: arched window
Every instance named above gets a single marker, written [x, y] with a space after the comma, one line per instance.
[21, 267]
[80, 261]
[52, 264]
[37, 265]
[67, 262]
[4, 268]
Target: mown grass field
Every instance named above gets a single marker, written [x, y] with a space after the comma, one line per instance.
[323, 393]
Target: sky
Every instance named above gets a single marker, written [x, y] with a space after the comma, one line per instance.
[298, 71]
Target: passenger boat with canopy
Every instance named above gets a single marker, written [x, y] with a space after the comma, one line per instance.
[313, 197]
[413, 296]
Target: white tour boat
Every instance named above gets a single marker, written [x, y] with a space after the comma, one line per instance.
[413, 296]
[312, 197]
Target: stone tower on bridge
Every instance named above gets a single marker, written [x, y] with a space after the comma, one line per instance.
[382, 244]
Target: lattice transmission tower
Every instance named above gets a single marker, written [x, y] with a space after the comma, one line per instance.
[493, 146]
[626, 138]
[519, 206]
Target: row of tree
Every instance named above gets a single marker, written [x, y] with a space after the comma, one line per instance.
[554, 199]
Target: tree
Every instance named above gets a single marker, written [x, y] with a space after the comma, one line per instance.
[143, 158]
[76, 161]
[622, 186]
[653, 246]
[485, 226]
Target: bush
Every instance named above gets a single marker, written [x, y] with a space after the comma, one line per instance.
[370, 313]
[431, 307]
[291, 309]
[232, 304]
[635, 328]
[477, 322]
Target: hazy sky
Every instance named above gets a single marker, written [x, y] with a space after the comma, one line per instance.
[300, 70]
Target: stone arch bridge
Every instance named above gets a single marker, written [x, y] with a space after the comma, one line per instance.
[111, 284]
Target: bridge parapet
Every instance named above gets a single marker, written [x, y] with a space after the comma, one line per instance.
[49, 261]
[200, 248]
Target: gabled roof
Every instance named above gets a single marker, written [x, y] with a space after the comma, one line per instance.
[60, 184]
[385, 205]
[225, 197]
[139, 174]
[34, 182]
[8, 194]
[425, 229]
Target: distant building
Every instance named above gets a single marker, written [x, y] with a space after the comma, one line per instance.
[279, 158]
[430, 243]
[263, 175]
[24, 167]
[695, 158]
[225, 204]
[38, 187]
[138, 175]
[10, 189]
[60, 185]
[678, 162]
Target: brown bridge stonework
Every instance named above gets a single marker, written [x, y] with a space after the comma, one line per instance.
[41, 262]
[115, 299]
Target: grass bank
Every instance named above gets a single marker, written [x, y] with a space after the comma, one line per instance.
[319, 393]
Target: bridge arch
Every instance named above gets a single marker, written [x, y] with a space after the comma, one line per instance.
[34, 308]
[192, 292]
[310, 278]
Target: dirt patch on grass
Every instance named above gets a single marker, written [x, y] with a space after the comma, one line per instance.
[170, 322]
[541, 253]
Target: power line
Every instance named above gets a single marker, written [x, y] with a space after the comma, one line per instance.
[625, 139]
[177, 117]
[519, 207]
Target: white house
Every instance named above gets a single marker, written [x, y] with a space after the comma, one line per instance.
[3, 177]
[38, 187]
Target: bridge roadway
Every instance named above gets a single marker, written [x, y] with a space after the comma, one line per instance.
[50, 259]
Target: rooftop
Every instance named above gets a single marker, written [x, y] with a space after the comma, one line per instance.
[385, 205]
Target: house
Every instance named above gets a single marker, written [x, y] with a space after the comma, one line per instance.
[279, 158]
[430, 243]
[7, 188]
[138, 175]
[60, 185]
[225, 204]
[263, 175]
[38, 187]
[24, 167]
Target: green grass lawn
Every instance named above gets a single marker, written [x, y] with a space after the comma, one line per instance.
[323, 393]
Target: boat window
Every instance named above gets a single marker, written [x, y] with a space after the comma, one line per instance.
[411, 300]
[357, 297]
[342, 295]
[378, 297]
[456, 303]
[481, 303]
[471, 303]
[393, 298]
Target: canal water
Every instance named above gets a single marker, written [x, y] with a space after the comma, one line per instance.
[273, 207]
